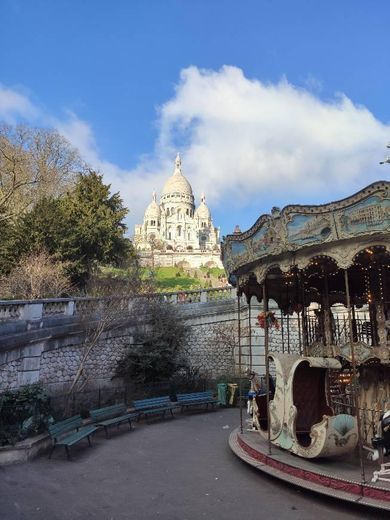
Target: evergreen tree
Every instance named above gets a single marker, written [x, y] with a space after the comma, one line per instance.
[83, 228]
[41, 229]
[93, 227]
[7, 247]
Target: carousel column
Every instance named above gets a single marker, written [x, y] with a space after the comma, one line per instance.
[266, 351]
[239, 348]
[304, 318]
[250, 332]
[327, 313]
[355, 397]
[380, 311]
[299, 313]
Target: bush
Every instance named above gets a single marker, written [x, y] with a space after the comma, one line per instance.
[23, 412]
[157, 352]
[37, 275]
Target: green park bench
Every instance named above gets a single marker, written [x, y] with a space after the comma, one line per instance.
[68, 432]
[154, 406]
[111, 415]
[196, 399]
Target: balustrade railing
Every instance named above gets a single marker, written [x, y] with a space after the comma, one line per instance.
[10, 311]
[13, 310]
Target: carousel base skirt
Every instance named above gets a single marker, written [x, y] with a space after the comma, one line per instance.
[339, 477]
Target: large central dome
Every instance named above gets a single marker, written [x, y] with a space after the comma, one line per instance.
[177, 183]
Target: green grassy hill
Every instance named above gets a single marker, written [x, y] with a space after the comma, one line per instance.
[173, 279]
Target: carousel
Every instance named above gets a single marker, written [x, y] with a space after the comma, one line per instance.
[322, 277]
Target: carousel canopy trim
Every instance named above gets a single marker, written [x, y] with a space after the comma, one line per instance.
[297, 228]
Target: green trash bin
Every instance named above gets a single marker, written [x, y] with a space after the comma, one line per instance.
[222, 393]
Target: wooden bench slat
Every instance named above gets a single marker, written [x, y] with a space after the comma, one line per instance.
[108, 412]
[110, 415]
[196, 399]
[76, 436]
[154, 406]
[154, 402]
[59, 428]
[158, 410]
[68, 432]
[115, 420]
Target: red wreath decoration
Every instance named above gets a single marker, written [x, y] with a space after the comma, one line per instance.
[271, 320]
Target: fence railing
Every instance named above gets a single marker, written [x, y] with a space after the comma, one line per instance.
[13, 310]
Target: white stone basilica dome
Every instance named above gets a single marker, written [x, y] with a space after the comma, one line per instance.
[177, 183]
[203, 211]
[153, 210]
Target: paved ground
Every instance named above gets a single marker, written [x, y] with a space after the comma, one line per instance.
[176, 469]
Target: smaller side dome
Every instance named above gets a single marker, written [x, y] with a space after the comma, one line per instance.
[153, 210]
[203, 211]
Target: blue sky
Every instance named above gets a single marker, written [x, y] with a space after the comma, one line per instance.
[269, 102]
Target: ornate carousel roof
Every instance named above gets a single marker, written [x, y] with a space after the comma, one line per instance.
[293, 236]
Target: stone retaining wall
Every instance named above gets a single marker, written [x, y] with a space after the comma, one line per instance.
[48, 348]
[51, 353]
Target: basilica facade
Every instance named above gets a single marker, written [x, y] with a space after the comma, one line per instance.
[174, 230]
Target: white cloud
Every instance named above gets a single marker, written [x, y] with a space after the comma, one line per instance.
[15, 105]
[244, 137]
[240, 139]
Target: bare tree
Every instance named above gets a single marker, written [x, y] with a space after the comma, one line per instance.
[36, 276]
[117, 302]
[226, 337]
[101, 316]
[33, 162]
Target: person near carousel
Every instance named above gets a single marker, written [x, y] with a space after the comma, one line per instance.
[258, 387]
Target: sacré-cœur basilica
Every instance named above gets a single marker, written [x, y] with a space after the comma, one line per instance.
[174, 232]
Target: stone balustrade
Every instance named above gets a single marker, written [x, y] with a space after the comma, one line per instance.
[32, 310]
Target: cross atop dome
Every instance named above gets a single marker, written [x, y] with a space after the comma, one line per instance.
[203, 198]
[154, 196]
[178, 165]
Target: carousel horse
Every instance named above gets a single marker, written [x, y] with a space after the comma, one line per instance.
[301, 419]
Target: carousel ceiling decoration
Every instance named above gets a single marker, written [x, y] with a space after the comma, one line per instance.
[292, 236]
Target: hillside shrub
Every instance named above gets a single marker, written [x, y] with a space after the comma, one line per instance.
[23, 412]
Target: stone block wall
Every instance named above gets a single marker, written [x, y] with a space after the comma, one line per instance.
[59, 366]
[55, 359]
[203, 354]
